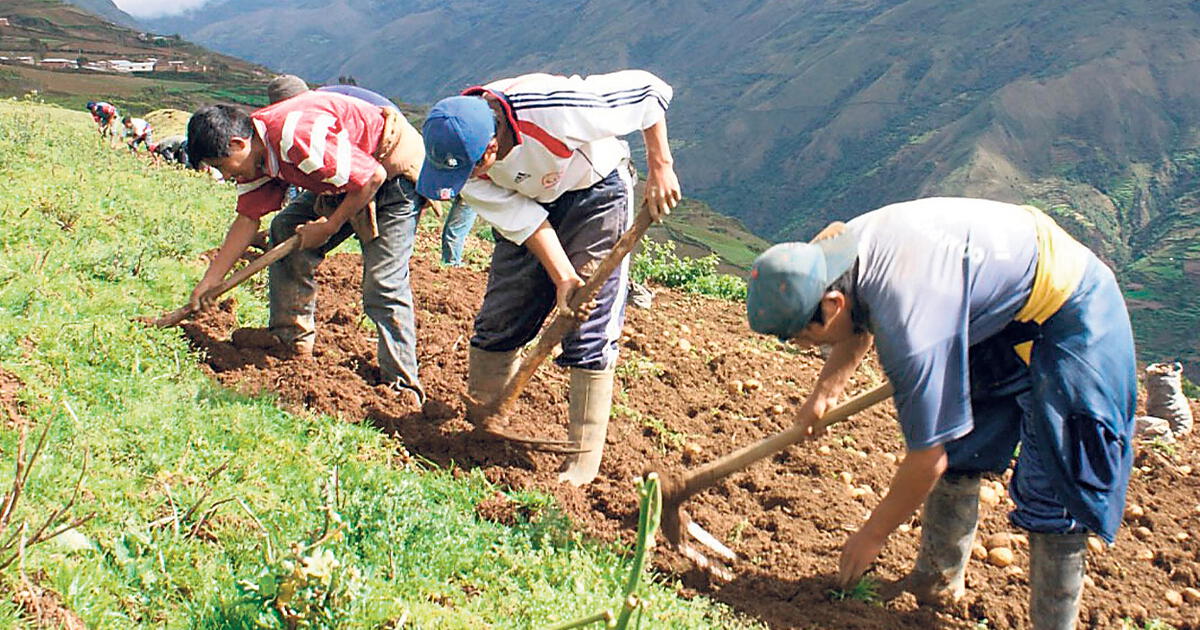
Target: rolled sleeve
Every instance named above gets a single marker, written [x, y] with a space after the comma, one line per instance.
[514, 215]
[260, 197]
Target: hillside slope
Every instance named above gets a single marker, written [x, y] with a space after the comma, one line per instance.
[53, 29]
[789, 114]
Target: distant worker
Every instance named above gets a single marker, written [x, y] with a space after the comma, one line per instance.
[540, 158]
[367, 157]
[459, 220]
[996, 328]
[173, 149]
[138, 131]
[105, 115]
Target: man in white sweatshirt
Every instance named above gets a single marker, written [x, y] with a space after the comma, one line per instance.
[540, 158]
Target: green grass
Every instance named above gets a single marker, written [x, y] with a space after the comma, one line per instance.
[90, 238]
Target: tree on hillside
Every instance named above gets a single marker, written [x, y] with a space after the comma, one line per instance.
[347, 80]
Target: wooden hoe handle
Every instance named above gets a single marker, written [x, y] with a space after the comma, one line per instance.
[714, 471]
[258, 264]
[563, 324]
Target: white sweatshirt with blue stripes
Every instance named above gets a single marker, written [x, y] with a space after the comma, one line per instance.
[568, 133]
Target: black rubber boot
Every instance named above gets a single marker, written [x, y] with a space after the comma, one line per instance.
[1057, 563]
[948, 523]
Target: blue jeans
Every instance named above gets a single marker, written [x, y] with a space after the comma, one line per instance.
[520, 294]
[458, 224]
[1071, 409]
[387, 294]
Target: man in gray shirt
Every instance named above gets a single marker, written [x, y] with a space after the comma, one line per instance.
[994, 327]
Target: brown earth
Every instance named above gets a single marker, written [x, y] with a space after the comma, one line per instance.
[677, 407]
[12, 410]
[41, 606]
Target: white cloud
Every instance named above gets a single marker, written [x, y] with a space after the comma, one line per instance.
[157, 8]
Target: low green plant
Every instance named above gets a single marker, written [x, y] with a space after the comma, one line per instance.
[866, 590]
[649, 518]
[638, 366]
[665, 438]
[659, 263]
[1149, 624]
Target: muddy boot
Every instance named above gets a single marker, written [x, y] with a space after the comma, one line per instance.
[264, 339]
[590, 403]
[487, 374]
[1056, 568]
[948, 523]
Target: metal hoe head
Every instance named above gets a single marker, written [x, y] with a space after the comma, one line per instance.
[486, 418]
[688, 537]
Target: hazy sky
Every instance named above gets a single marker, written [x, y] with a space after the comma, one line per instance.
[156, 8]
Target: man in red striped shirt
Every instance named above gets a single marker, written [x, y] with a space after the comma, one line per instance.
[327, 144]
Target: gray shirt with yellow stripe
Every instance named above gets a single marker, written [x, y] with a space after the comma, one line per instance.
[937, 276]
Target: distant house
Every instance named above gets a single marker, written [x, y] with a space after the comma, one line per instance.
[58, 64]
[4, 22]
[125, 65]
[175, 66]
[27, 60]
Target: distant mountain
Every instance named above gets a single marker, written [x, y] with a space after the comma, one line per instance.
[109, 11]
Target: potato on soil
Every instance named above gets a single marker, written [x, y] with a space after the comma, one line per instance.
[979, 552]
[1173, 598]
[1095, 545]
[1191, 595]
[1000, 556]
[1134, 511]
[1000, 539]
[988, 496]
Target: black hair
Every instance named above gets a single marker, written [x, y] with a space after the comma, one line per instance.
[846, 284]
[210, 130]
[126, 120]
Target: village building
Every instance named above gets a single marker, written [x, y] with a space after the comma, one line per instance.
[58, 64]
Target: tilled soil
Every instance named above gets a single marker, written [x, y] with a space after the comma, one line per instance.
[695, 384]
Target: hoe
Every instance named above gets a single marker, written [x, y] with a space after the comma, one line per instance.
[258, 264]
[677, 489]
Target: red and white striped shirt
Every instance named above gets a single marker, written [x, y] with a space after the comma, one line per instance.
[319, 141]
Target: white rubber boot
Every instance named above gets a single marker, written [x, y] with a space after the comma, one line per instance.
[590, 404]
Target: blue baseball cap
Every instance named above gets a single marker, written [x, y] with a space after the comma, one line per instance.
[788, 281]
[457, 131]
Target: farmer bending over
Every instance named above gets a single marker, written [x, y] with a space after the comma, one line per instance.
[105, 116]
[324, 143]
[995, 327]
[139, 132]
[540, 158]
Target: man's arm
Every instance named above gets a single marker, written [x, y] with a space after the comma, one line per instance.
[315, 233]
[914, 479]
[662, 191]
[240, 234]
[831, 382]
[546, 247]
